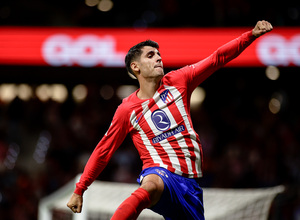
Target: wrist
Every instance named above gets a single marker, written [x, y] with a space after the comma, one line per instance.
[79, 191]
[254, 34]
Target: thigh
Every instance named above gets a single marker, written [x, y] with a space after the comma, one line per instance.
[182, 198]
[154, 186]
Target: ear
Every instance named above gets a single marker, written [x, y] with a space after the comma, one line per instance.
[135, 67]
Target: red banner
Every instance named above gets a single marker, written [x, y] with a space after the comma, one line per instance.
[107, 47]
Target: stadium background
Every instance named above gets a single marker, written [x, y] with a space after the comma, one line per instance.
[245, 143]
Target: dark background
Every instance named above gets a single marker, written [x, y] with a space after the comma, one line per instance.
[245, 145]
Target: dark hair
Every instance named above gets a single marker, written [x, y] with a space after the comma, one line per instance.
[135, 52]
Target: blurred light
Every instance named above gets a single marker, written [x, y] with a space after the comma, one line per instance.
[198, 97]
[272, 72]
[279, 96]
[126, 90]
[274, 105]
[42, 147]
[43, 92]
[92, 3]
[8, 92]
[12, 156]
[79, 93]
[278, 101]
[106, 92]
[59, 93]
[105, 5]
[24, 92]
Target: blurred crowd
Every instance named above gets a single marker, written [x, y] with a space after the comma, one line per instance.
[43, 145]
[149, 13]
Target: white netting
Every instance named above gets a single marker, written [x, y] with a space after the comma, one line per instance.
[103, 198]
[237, 204]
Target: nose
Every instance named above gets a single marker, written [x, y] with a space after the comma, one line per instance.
[158, 59]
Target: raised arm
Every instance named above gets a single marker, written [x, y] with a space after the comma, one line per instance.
[234, 48]
[225, 54]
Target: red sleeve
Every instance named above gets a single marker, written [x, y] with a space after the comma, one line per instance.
[191, 76]
[104, 150]
[224, 54]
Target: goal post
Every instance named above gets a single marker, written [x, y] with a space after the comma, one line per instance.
[239, 204]
[102, 199]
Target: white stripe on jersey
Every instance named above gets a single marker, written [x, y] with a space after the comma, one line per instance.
[180, 106]
[181, 141]
[152, 151]
[167, 147]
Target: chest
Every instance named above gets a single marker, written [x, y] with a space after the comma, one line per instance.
[164, 112]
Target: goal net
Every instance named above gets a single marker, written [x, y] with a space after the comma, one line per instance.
[103, 198]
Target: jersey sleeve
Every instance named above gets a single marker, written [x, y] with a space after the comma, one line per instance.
[195, 74]
[224, 54]
[104, 150]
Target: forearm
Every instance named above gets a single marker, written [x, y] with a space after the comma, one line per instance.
[232, 49]
[224, 54]
[95, 165]
[103, 152]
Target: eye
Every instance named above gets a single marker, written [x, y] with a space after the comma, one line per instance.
[150, 55]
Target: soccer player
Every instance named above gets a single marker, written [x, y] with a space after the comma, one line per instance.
[157, 116]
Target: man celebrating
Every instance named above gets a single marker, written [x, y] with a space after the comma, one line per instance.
[157, 116]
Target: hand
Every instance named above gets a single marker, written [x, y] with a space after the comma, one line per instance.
[261, 28]
[75, 203]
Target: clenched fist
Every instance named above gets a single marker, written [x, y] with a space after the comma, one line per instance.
[261, 28]
[75, 203]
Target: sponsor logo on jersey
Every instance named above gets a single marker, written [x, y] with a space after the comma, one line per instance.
[168, 134]
[166, 96]
[160, 120]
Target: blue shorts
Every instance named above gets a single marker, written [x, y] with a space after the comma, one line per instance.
[182, 197]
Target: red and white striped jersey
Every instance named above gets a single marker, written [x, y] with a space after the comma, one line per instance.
[161, 127]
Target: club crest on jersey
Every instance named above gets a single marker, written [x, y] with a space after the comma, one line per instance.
[160, 120]
[166, 96]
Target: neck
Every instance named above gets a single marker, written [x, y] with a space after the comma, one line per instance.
[148, 88]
